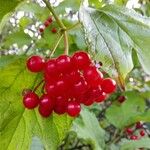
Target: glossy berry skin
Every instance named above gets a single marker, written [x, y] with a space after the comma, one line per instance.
[108, 85]
[50, 89]
[129, 131]
[79, 87]
[81, 60]
[101, 97]
[41, 30]
[46, 23]
[73, 108]
[35, 63]
[46, 102]
[73, 77]
[139, 125]
[54, 30]
[51, 68]
[142, 133]
[134, 137]
[45, 112]
[61, 86]
[63, 63]
[60, 105]
[91, 75]
[30, 100]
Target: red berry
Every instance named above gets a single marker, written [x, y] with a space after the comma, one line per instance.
[73, 108]
[121, 99]
[63, 63]
[73, 76]
[129, 131]
[35, 63]
[89, 102]
[79, 88]
[45, 112]
[51, 68]
[108, 85]
[60, 105]
[46, 102]
[50, 89]
[92, 75]
[101, 97]
[142, 133]
[30, 100]
[61, 86]
[139, 125]
[54, 30]
[46, 23]
[134, 137]
[41, 29]
[81, 60]
[50, 20]
[95, 92]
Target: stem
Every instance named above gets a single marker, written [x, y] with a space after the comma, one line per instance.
[38, 86]
[56, 45]
[48, 5]
[73, 26]
[66, 43]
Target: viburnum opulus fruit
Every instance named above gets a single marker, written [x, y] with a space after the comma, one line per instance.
[68, 82]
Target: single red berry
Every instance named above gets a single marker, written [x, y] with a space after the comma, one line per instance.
[63, 63]
[46, 102]
[81, 60]
[73, 108]
[50, 89]
[108, 85]
[61, 86]
[60, 105]
[35, 63]
[46, 23]
[45, 112]
[101, 97]
[79, 88]
[54, 30]
[142, 133]
[30, 100]
[50, 19]
[121, 99]
[139, 125]
[95, 92]
[41, 29]
[51, 68]
[129, 131]
[134, 137]
[92, 75]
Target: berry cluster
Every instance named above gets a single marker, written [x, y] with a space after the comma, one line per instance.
[136, 132]
[68, 82]
[46, 24]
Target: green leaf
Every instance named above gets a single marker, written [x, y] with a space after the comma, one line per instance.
[132, 145]
[88, 128]
[120, 2]
[25, 21]
[18, 37]
[7, 6]
[19, 125]
[129, 112]
[113, 32]
[73, 5]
